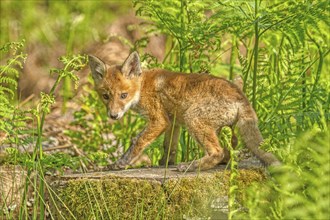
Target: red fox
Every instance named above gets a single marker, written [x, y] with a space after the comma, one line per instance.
[200, 102]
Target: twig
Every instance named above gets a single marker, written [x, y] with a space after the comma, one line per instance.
[54, 148]
[25, 101]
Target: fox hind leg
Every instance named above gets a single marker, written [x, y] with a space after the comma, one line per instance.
[207, 137]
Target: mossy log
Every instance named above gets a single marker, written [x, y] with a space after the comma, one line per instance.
[148, 193]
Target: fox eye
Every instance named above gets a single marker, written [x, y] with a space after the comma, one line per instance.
[105, 96]
[123, 95]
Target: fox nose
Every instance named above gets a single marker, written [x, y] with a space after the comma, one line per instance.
[113, 116]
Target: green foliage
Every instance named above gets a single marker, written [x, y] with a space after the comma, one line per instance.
[226, 137]
[71, 65]
[50, 162]
[69, 25]
[9, 72]
[92, 123]
[284, 71]
[14, 120]
[40, 161]
[13, 156]
[60, 161]
[99, 157]
[300, 189]
[192, 36]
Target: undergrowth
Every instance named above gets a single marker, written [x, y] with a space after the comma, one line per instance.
[280, 48]
[299, 189]
[15, 120]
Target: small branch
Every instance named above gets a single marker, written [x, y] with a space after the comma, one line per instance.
[55, 148]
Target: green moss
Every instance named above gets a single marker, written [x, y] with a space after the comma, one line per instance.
[128, 198]
[109, 198]
[193, 196]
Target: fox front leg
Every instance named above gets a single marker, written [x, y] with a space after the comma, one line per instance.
[150, 133]
[128, 159]
[170, 144]
[125, 160]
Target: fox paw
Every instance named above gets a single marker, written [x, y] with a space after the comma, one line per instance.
[118, 165]
[184, 167]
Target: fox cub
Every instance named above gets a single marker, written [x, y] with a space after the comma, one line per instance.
[200, 102]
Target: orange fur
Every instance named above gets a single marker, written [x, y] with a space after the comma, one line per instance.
[201, 102]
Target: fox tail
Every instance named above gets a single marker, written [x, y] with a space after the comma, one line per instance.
[250, 133]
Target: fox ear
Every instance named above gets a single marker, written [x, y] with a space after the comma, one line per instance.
[97, 67]
[132, 65]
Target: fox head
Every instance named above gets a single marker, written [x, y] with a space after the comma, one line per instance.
[118, 86]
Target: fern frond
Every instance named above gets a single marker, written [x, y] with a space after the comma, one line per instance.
[8, 85]
[300, 189]
[8, 81]
[9, 91]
